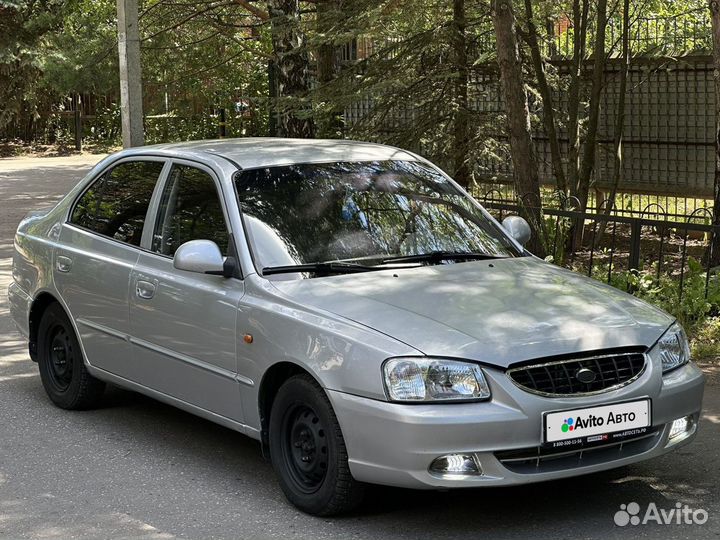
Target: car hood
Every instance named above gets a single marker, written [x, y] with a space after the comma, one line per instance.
[499, 312]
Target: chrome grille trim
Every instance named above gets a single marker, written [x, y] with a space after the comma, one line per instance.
[539, 460]
[537, 456]
[551, 383]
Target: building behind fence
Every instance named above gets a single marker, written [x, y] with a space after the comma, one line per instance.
[669, 132]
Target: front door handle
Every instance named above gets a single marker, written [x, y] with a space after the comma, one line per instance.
[63, 264]
[144, 289]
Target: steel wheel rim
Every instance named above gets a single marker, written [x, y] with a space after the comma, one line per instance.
[305, 448]
[61, 358]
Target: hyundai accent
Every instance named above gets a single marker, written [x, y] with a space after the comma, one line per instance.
[353, 309]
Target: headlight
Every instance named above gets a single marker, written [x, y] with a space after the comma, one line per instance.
[673, 348]
[434, 379]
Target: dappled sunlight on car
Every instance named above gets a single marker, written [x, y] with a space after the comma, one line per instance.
[507, 306]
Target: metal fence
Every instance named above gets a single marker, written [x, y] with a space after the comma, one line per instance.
[628, 204]
[662, 35]
[619, 249]
[669, 131]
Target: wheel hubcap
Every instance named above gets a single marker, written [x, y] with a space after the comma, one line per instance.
[61, 358]
[306, 448]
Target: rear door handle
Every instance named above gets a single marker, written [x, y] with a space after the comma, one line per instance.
[63, 264]
[144, 289]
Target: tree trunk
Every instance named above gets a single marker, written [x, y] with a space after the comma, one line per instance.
[715, 18]
[273, 101]
[461, 139]
[581, 185]
[330, 125]
[547, 99]
[527, 183]
[618, 167]
[588, 162]
[580, 18]
[291, 69]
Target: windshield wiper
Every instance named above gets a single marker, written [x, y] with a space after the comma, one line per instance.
[436, 257]
[326, 268]
[320, 268]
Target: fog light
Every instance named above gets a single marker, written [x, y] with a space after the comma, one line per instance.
[456, 464]
[680, 428]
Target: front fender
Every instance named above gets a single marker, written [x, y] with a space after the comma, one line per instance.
[342, 355]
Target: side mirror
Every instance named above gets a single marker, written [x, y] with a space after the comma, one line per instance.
[517, 228]
[201, 257]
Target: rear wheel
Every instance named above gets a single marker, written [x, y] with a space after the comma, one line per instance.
[62, 370]
[308, 451]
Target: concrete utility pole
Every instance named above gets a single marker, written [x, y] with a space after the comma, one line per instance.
[131, 110]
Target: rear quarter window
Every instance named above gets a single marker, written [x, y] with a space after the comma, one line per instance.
[116, 204]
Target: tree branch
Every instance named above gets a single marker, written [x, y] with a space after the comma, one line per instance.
[259, 13]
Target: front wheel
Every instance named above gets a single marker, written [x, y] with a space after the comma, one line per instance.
[308, 451]
[62, 370]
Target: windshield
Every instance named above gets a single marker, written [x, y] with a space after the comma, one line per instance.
[365, 212]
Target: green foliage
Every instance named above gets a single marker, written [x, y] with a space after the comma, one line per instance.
[23, 26]
[402, 92]
[705, 339]
[83, 58]
[105, 129]
[169, 128]
[199, 56]
[691, 305]
[659, 27]
[555, 232]
[196, 58]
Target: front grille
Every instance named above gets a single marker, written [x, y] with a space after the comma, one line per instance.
[564, 377]
[541, 460]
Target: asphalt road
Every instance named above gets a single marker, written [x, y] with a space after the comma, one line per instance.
[136, 468]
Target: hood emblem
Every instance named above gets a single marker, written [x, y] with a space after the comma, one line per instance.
[585, 375]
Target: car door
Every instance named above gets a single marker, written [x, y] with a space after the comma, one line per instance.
[97, 248]
[183, 323]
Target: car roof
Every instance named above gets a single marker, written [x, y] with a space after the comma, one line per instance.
[253, 152]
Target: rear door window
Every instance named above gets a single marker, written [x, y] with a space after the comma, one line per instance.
[117, 203]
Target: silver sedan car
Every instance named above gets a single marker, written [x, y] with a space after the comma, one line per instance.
[353, 309]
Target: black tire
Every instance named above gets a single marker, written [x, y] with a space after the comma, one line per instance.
[62, 370]
[308, 451]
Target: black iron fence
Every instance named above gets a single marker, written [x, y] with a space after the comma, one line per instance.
[659, 35]
[660, 256]
[629, 204]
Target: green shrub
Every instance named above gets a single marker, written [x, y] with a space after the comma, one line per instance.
[555, 233]
[691, 306]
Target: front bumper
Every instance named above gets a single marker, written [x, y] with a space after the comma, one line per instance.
[394, 444]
